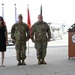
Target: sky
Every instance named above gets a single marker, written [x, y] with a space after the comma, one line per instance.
[57, 12]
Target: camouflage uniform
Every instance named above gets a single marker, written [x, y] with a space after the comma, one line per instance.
[40, 35]
[18, 33]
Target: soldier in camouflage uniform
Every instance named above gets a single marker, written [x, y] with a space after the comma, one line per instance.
[20, 34]
[40, 36]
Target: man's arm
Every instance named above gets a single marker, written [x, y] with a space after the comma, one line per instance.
[12, 32]
[32, 34]
[49, 33]
[28, 33]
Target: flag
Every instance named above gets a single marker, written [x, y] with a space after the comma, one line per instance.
[15, 13]
[3, 13]
[41, 10]
[29, 21]
[28, 18]
[29, 24]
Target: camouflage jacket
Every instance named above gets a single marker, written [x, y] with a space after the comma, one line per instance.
[20, 32]
[41, 30]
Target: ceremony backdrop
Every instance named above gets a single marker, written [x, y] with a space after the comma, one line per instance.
[54, 11]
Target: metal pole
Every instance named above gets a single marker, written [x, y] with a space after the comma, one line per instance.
[3, 10]
[28, 47]
[27, 21]
[15, 12]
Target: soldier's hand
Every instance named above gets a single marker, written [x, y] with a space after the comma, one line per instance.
[13, 41]
[48, 40]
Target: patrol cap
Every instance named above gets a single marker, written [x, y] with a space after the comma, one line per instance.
[20, 15]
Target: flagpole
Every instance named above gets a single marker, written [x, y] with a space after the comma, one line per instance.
[3, 10]
[29, 24]
[41, 10]
[15, 12]
[28, 47]
[27, 21]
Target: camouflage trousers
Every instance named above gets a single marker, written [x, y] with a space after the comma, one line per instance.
[20, 50]
[41, 46]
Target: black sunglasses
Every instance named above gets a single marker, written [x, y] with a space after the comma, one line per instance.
[20, 16]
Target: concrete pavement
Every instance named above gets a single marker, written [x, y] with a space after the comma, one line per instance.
[57, 63]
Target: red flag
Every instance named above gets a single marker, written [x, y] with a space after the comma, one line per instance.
[29, 25]
[29, 21]
[28, 18]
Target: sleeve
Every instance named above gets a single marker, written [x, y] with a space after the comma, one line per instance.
[28, 33]
[48, 32]
[32, 33]
[12, 32]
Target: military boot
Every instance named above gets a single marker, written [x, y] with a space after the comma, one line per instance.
[39, 61]
[43, 62]
[19, 63]
[23, 62]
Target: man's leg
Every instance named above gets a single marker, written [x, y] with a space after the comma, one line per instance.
[18, 52]
[44, 46]
[38, 50]
[39, 56]
[23, 54]
[18, 55]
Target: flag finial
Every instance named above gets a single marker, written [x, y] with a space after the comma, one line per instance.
[2, 4]
[15, 5]
[27, 4]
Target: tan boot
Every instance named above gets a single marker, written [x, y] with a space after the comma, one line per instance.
[43, 62]
[39, 61]
[19, 63]
[23, 62]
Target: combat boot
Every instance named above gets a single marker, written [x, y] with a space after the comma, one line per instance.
[43, 62]
[19, 63]
[23, 62]
[39, 61]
